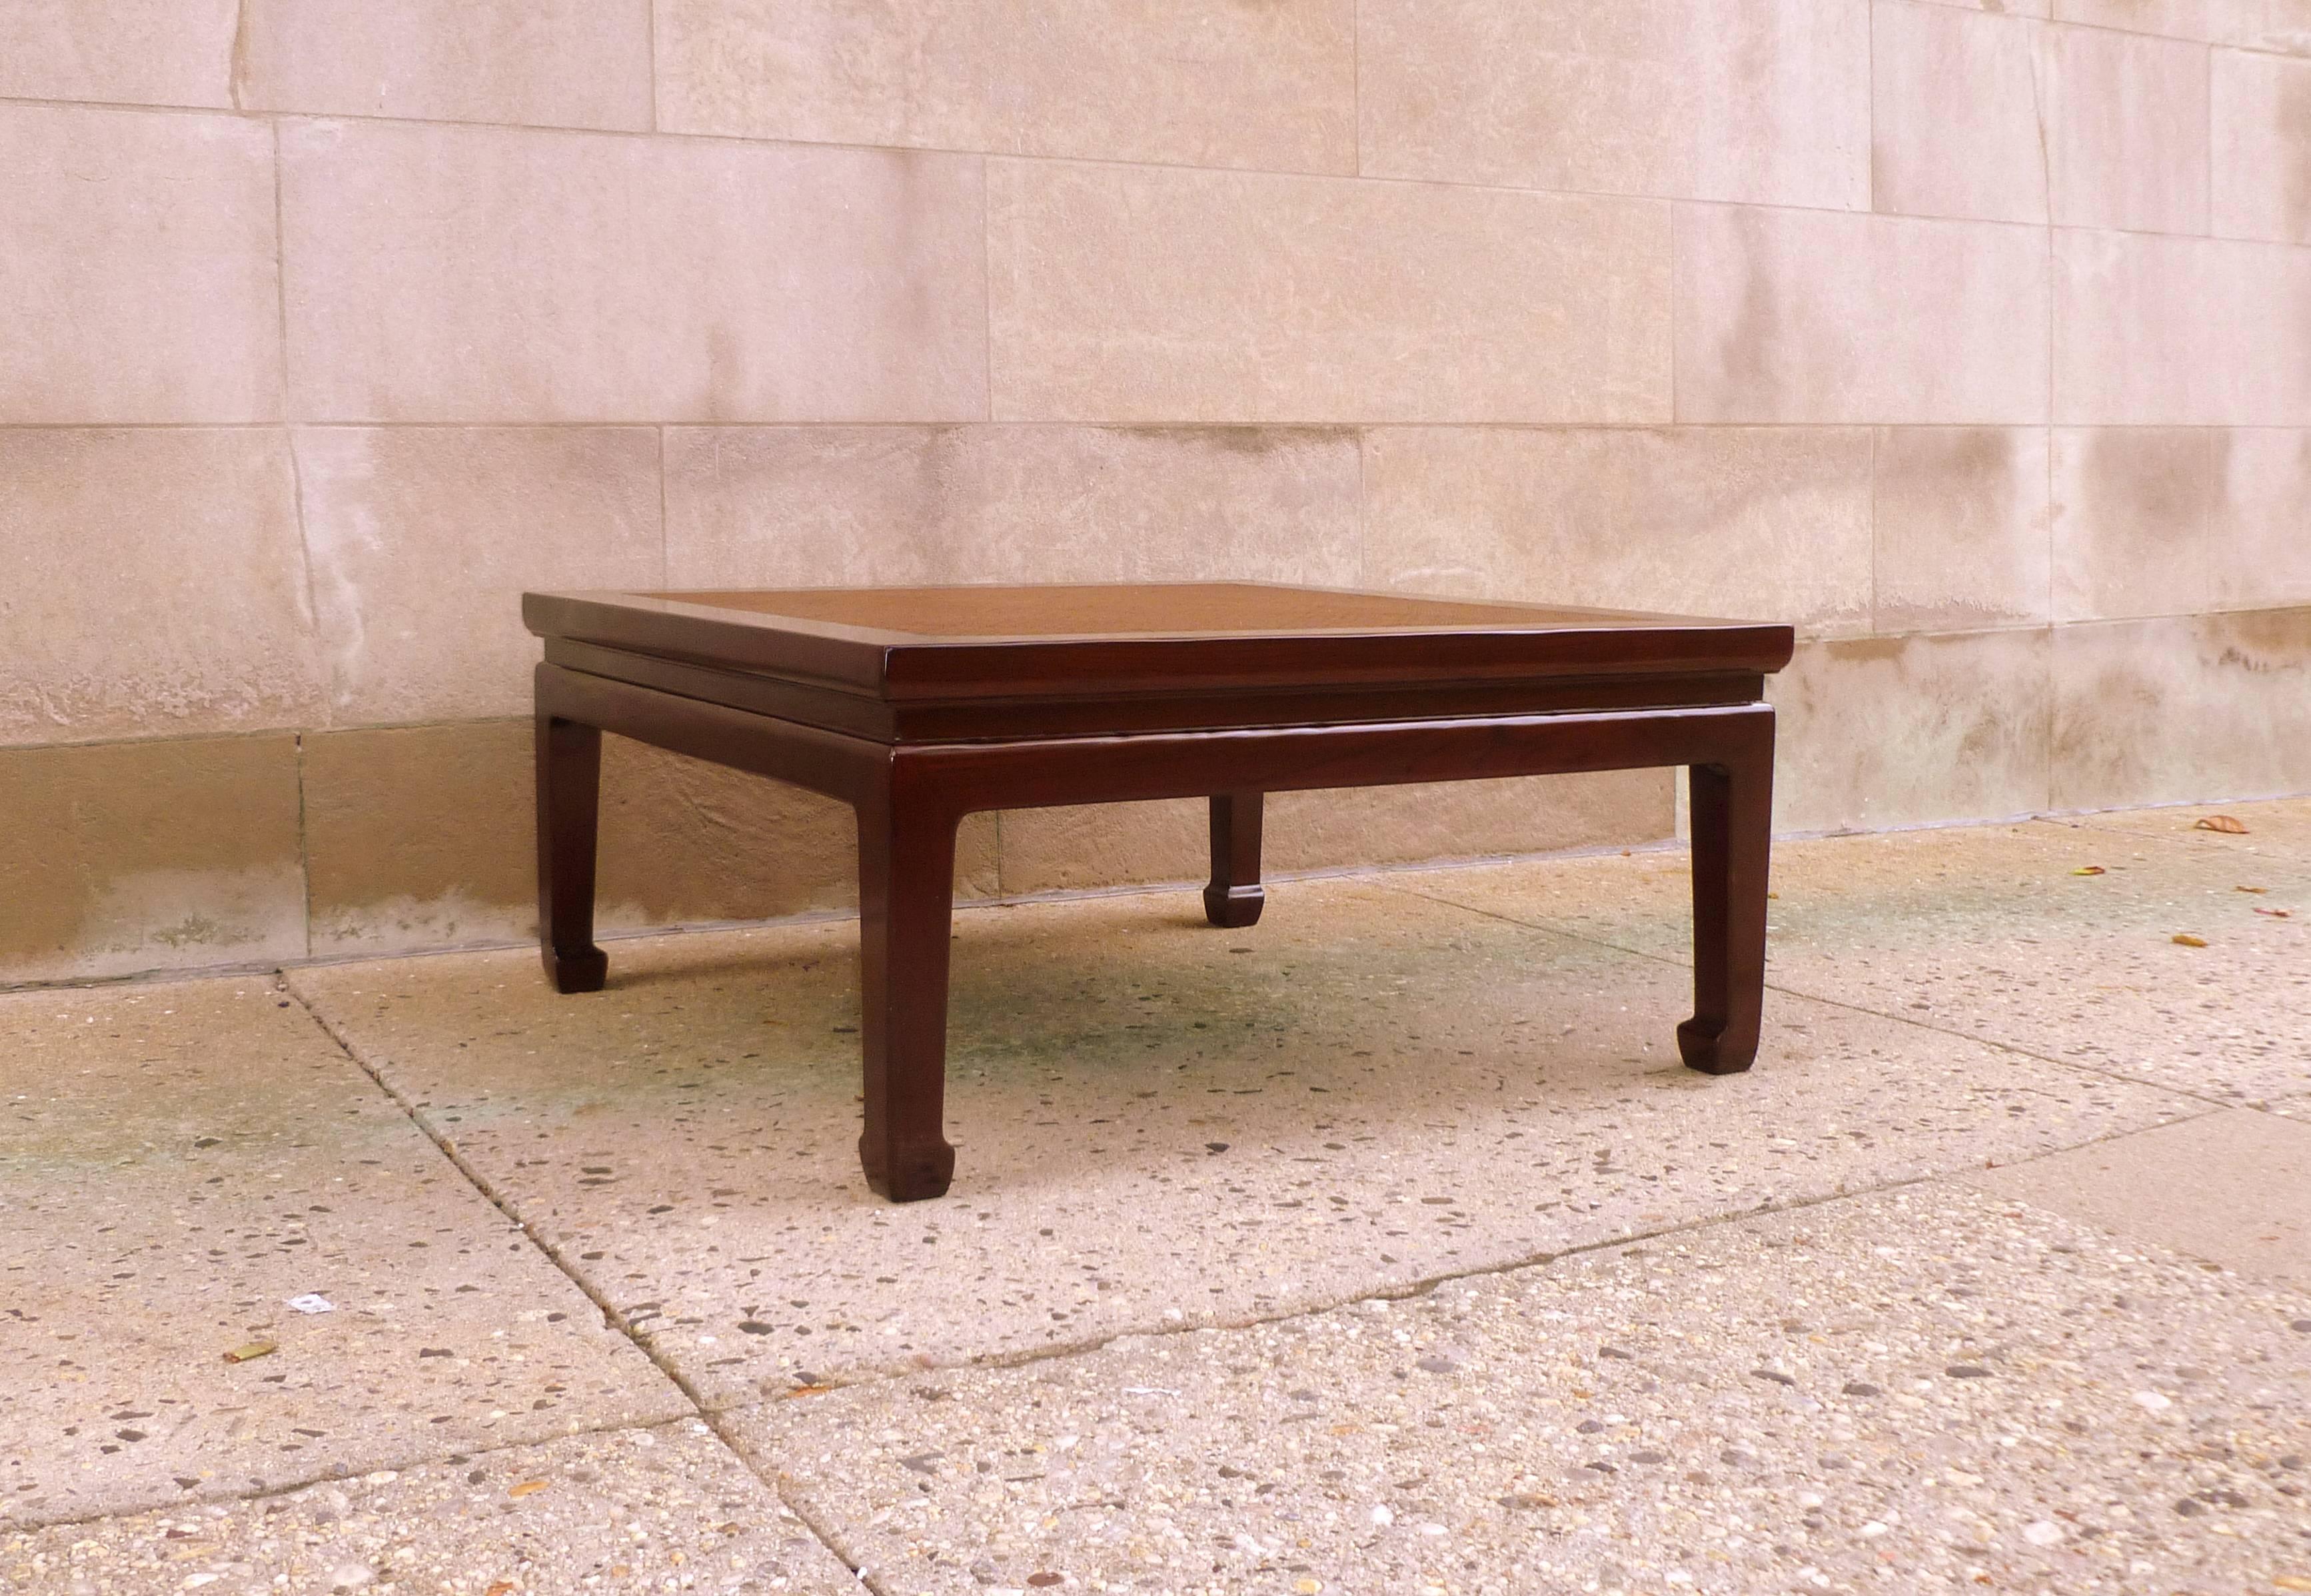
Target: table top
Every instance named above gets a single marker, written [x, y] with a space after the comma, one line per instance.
[1138, 609]
[973, 641]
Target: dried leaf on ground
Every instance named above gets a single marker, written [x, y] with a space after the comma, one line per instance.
[242, 1354]
[2250, 889]
[527, 1488]
[2090, 870]
[2220, 823]
[2184, 939]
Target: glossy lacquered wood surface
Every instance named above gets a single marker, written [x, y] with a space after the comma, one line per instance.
[1482, 691]
[1148, 708]
[1141, 639]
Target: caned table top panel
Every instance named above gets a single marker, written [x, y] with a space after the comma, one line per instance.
[1200, 609]
[963, 642]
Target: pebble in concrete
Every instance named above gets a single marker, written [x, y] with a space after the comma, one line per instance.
[1923, 1390]
[1158, 1124]
[1995, 933]
[182, 1161]
[658, 1509]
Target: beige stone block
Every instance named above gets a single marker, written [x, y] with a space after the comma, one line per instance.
[1956, 109]
[2258, 545]
[762, 506]
[1142, 294]
[1750, 522]
[687, 843]
[2280, 25]
[1765, 100]
[150, 581]
[2132, 331]
[423, 837]
[2132, 506]
[2126, 127]
[138, 52]
[2181, 332]
[2262, 120]
[1962, 528]
[119, 858]
[492, 275]
[1353, 827]
[2283, 25]
[1804, 316]
[1197, 82]
[562, 62]
[1894, 731]
[138, 278]
[423, 539]
[2178, 19]
[2183, 708]
[420, 836]
[1086, 847]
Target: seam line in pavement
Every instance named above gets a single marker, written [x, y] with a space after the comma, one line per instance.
[829, 1535]
[289, 1487]
[1025, 1356]
[448, 1147]
[2008, 1047]
[2122, 828]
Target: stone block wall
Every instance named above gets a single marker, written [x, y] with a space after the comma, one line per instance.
[1975, 343]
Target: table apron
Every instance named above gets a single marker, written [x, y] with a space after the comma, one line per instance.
[852, 769]
[964, 778]
[1030, 775]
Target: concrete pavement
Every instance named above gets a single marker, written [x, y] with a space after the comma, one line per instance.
[1385, 1246]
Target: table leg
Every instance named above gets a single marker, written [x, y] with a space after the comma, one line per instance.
[906, 892]
[568, 804]
[1235, 897]
[1732, 828]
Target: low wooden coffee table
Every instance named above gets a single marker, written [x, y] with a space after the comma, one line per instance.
[919, 706]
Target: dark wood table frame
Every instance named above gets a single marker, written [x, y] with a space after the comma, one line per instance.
[934, 727]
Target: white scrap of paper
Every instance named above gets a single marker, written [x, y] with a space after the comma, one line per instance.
[313, 1302]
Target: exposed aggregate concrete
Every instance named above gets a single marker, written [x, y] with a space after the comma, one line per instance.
[1952, 1382]
[1924, 1390]
[1366, 1091]
[660, 1509]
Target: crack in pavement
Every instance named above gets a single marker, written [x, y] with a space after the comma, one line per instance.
[334, 1474]
[830, 1534]
[2073, 1065]
[448, 1147]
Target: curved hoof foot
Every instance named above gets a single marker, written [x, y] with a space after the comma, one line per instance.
[1707, 1052]
[1235, 906]
[582, 970]
[923, 1172]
